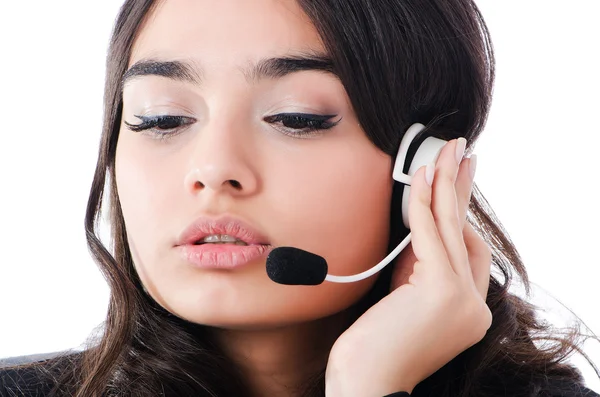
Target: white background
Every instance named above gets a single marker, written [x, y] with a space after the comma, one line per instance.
[538, 160]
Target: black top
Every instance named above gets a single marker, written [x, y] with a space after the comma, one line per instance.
[27, 383]
[575, 390]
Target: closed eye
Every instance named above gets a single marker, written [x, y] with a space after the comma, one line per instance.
[161, 126]
[302, 124]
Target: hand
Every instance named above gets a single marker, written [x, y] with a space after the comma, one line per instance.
[432, 314]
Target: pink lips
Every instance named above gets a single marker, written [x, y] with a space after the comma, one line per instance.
[222, 256]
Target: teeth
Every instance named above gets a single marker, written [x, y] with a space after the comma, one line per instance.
[222, 239]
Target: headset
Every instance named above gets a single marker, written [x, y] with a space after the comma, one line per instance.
[293, 266]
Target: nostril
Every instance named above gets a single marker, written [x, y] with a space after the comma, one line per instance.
[235, 184]
[198, 185]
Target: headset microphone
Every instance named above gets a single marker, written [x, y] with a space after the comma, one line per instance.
[293, 266]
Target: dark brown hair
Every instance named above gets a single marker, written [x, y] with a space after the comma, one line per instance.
[401, 62]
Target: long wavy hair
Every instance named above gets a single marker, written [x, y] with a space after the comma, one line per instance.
[401, 62]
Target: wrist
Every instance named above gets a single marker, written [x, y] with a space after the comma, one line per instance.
[340, 381]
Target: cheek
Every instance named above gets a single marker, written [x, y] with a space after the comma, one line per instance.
[340, 207]
[143, 185]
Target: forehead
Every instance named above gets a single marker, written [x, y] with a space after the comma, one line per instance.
[225, 32]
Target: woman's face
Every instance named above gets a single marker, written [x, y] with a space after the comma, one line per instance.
[327, 191]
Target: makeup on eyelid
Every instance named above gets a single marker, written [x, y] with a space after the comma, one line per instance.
[298, 125]
[306, 92]
[290, 105]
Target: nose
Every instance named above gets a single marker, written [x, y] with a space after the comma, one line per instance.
[221, 162]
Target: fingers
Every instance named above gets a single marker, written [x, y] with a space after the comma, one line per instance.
[445, 205]
[480, 258]
[426, 242]
[444, 239]
[464, 187]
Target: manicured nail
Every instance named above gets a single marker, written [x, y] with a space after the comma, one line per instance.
[429, 173]
[473, 166]
[461, 144]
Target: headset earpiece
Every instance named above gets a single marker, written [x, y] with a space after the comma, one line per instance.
[427, 152]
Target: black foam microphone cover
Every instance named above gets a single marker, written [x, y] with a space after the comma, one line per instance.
[293, 266]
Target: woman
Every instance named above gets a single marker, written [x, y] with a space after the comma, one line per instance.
[232, 128]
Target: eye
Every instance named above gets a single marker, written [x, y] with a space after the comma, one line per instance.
[161, 127]
[302, 124]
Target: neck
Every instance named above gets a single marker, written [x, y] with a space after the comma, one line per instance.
[279, 361]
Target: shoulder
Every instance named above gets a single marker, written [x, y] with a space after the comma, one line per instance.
[34, 375]
[24, 381]
[566, 388]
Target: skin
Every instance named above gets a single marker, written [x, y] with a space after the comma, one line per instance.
[305, 192]
[328, 193]
[435, 313]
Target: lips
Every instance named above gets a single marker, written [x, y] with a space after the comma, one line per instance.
[230, 226]
[222, 256]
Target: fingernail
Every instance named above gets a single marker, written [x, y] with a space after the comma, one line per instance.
[461, 144]
[429, 173]
[473, 166]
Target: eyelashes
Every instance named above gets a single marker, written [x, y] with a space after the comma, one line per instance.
[161, 126]
[299, 125]
[302, 124]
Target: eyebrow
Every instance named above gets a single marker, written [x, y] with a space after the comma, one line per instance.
[176, 70]
[268, 68]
